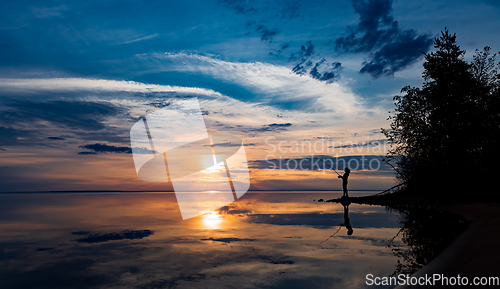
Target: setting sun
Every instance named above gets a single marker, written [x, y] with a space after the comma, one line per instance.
[211, 220]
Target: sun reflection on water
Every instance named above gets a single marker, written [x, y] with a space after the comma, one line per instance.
[211, 220]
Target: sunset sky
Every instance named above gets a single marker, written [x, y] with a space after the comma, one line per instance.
[75, 76]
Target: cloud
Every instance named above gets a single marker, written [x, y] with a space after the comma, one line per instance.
[141, 38]
[239, 6]
[277, 52]
[227, 240]
[275, 127]
[85, 109]
[47, 12]
[114, 236]
[363, 144]
[321, 71]
[85, 115]
[55, 138]
[265, 33]
[407, 48]
[327, 76]
[245, 9]
[391, 48]
[104, 148]
[327, 220]
[61, 274]
[302, 58]
[230, 144]
[305, 51]
[38, 85]
[271, 85]
[9, 136]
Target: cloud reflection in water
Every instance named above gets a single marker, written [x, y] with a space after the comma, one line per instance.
[138, 240]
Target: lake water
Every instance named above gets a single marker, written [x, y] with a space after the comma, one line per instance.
[139, 240]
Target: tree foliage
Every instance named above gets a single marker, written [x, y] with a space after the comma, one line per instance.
[447, 130]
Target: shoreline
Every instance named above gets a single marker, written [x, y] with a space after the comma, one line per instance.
[474, 253]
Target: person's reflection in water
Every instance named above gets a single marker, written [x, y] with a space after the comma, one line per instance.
[347, 223]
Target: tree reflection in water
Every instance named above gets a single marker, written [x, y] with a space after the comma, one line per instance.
[424, 234]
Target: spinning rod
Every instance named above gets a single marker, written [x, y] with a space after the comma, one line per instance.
[331, 167]
[330, 236]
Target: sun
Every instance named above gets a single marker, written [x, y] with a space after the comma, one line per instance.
[211, 220]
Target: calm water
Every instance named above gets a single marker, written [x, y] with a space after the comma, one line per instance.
[138, 240]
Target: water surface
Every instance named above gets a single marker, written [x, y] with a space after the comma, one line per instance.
[138, 240]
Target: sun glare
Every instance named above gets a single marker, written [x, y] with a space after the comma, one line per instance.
[211, 220]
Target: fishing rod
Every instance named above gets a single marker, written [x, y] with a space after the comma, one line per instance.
[331, 167]
[333, 235]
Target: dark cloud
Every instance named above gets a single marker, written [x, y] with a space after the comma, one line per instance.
[114, 236]
[277, 52]
[73, 273]
[302, 58]
[266, 34]
[104, 148]
[321, 70]
[87, 153]
[407, 48]
[43, 249]
[232, 211]
[292, 11]
[325, 75]
[302, 67]
[172, 282]
[230, 144]
[88, 116]
[274, 127]
[305, 51]
[373, 14]
[81, 233]
[13, 136]
[227, 240]
[328, 220]
[55, 138]
[363, 144]
[391, 48]
[8, 136]
[239, 6]
[381, 242]
[279, 125]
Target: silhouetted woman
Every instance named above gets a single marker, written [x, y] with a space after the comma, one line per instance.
[344, 181]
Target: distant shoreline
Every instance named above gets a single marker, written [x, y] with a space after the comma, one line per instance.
[119, 191]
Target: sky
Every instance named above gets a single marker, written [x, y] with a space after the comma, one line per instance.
[76, 75]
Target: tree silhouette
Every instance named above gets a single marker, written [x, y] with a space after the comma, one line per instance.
[447, 130]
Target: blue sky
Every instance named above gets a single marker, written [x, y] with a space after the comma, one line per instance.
[76, 74]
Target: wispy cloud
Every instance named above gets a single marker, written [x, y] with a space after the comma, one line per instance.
[141, 38]
[271, 84]
[46, 12]
[86, 84]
